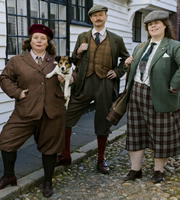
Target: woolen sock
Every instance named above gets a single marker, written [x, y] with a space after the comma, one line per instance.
[66, 153]
[136, 159]
[9, 159]
[49, 165]
[101, 147]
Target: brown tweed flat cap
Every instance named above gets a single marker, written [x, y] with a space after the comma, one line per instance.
[97, 8]
[156, 15]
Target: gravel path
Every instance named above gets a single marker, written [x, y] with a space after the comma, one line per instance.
[81, 181]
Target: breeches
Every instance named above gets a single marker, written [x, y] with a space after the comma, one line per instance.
[49, 134]
[99, 90]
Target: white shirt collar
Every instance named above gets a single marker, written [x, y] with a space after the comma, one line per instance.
[102, 32]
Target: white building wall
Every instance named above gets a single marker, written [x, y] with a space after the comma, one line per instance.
[120, 18]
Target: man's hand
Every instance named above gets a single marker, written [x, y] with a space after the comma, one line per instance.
[83, 47]
[111, 74]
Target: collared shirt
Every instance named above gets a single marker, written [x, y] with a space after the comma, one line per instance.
[35, 57]
[146, 74]
[102, 34]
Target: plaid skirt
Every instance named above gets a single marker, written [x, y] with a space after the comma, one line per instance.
[148, 129]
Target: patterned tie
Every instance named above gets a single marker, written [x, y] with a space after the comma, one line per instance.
[143, 62]
[97, 39]
[39, 61]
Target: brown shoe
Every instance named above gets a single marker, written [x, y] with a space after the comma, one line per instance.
[7, 181]
[132, 175]
[47, 189]
[102, 167]
[63, 161]
[158, 177]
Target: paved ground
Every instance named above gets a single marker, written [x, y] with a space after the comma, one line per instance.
[81, 181]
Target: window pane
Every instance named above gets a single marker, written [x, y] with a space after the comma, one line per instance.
[62, 12]
[45, 22]
[62, 29]
[22, 7]
[54, 27]
[62, 44]
[34, 8]
[20, 41]
[12, 25]
[54, 11]
[57, 46]
[73, 1]
[43, 10]
[82, 3]
[74, 13]
[81, 14]
[22, 26]
[12, 44]
[11, 6]
[34, 21]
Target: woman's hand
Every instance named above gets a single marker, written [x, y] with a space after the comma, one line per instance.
[61, 79]
[128, 61]
[23, 94]
[174, 91]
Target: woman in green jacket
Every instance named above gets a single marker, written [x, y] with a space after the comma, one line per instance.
[153, 98]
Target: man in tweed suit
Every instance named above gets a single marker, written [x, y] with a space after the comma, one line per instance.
[97, 79]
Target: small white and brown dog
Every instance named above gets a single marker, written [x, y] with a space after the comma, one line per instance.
[64, 68]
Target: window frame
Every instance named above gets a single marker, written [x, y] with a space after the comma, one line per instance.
[39, 18]
[87, 22]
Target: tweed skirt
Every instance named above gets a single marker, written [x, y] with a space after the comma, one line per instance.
[148, 129]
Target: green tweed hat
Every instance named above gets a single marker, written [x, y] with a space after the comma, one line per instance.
[97, 8]
[156, 15]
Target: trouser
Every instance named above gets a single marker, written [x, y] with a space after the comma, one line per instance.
[101, 92]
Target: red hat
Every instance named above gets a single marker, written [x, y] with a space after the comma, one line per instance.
[41, 28]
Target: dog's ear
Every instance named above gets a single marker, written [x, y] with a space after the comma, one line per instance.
[70, 59]
[57, 58]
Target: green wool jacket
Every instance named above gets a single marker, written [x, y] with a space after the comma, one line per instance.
[164, 72]
[118, 50]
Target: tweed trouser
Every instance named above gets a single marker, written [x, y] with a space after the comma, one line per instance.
[99, 90]
[148, 129]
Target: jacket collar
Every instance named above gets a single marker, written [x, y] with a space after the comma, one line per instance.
[26, 56]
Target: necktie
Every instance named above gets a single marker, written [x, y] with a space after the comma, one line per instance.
[97, 39]
[39, 61]
[143, 62]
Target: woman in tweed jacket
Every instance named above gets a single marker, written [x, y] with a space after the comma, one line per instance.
[154, 98]
[39, 106]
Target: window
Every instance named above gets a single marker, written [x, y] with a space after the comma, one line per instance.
[21, 14]
[137, 27]
[80, 10]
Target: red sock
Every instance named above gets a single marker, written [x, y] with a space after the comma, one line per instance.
[101, 147]
[66, 153]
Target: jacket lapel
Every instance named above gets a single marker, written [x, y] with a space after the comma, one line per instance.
[160, 51]
[26, 56]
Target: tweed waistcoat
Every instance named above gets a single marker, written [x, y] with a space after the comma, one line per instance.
[100, 61]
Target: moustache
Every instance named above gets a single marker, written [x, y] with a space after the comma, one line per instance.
[99, 21]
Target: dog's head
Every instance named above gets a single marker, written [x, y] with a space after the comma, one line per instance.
[64, 63]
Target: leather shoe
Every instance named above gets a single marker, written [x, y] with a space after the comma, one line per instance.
[7, 181]
[132, 175]
[158, 177]
[63, 161]
[102, 167]
[47, 189]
